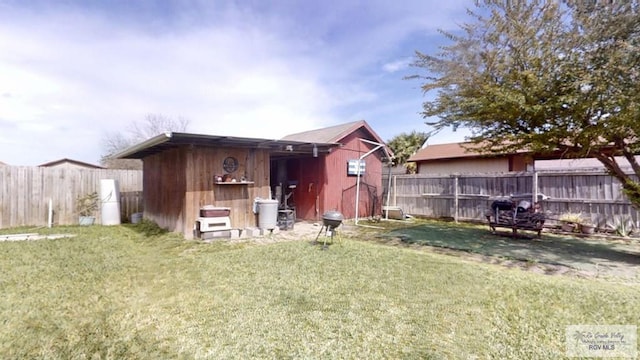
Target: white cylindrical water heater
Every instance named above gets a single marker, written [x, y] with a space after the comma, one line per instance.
[110, 201]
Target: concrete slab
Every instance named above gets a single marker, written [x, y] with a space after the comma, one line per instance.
[252, 232]
[33, 236]
[223, 234]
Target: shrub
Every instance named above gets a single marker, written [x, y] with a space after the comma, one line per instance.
[87, 205]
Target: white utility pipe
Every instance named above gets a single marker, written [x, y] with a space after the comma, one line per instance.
[378, 146]
[386, 214]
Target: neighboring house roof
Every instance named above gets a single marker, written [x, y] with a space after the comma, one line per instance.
[2, 164]
[70, 161]
[333, 134]
[580, 164]
[450, 151]
[550, 163]
[396, 170]
[174, 139]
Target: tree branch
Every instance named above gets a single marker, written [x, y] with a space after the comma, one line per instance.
[612, 166]
[631, 158]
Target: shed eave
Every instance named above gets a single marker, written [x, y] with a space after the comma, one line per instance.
[137, 151]
[175, 139]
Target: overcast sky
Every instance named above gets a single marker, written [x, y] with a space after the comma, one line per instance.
[73, 71]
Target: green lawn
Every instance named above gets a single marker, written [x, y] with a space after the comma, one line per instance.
[115, 293]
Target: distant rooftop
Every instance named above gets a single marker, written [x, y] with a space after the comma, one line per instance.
[450, 151]
[579, 164]
[70, 161]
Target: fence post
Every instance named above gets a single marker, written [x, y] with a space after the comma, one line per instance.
[455, 198]
[395, 191]
[534, 193]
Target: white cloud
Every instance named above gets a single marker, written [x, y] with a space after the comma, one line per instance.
[68, 76]
[397, 65]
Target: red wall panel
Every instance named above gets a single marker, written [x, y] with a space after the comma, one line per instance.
[323, 183]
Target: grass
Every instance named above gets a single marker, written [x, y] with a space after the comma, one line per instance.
[132, 292]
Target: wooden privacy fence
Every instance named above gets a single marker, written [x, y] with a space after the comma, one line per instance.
[26, 193]
[595, 194]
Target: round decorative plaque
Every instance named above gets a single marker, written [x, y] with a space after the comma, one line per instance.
[230, 164]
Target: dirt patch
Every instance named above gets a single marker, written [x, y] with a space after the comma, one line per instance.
[618, 271]
[301, 231]
[535, 267]
[308, 231]
[612, 259]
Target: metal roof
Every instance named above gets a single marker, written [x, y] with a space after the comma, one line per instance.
[336, 133]
[170, 140]
[333, 134]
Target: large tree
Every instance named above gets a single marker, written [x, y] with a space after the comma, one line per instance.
[404, 145]
[150, 126]
[548, 76]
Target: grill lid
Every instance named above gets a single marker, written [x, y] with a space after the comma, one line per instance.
[333, 215]
[332, 218]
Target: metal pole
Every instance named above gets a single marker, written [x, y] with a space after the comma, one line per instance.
[358, 173]
[358, 189]
[386, 215]
[534, 193]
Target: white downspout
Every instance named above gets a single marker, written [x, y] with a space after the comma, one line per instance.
[386, 213]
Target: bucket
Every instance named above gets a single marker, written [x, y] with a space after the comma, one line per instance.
[136, 217]
[267, 214]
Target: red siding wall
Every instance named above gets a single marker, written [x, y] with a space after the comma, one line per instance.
[323, 183]
[308, 171]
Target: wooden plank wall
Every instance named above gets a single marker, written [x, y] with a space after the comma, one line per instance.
[594, 194]
[164, 188]
[205, 163]
[182, 180]
[25, 193]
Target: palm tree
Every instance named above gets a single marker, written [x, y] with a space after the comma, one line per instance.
[406, 144]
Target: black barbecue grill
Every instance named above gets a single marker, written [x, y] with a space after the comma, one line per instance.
[330, 221]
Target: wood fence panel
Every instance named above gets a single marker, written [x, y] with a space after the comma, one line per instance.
[594, 194]
[25, 193]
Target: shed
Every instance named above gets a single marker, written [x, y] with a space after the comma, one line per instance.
[180, 172]
[308, 173]
[329, 182]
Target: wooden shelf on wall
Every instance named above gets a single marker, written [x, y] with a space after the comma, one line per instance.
[234, 183]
